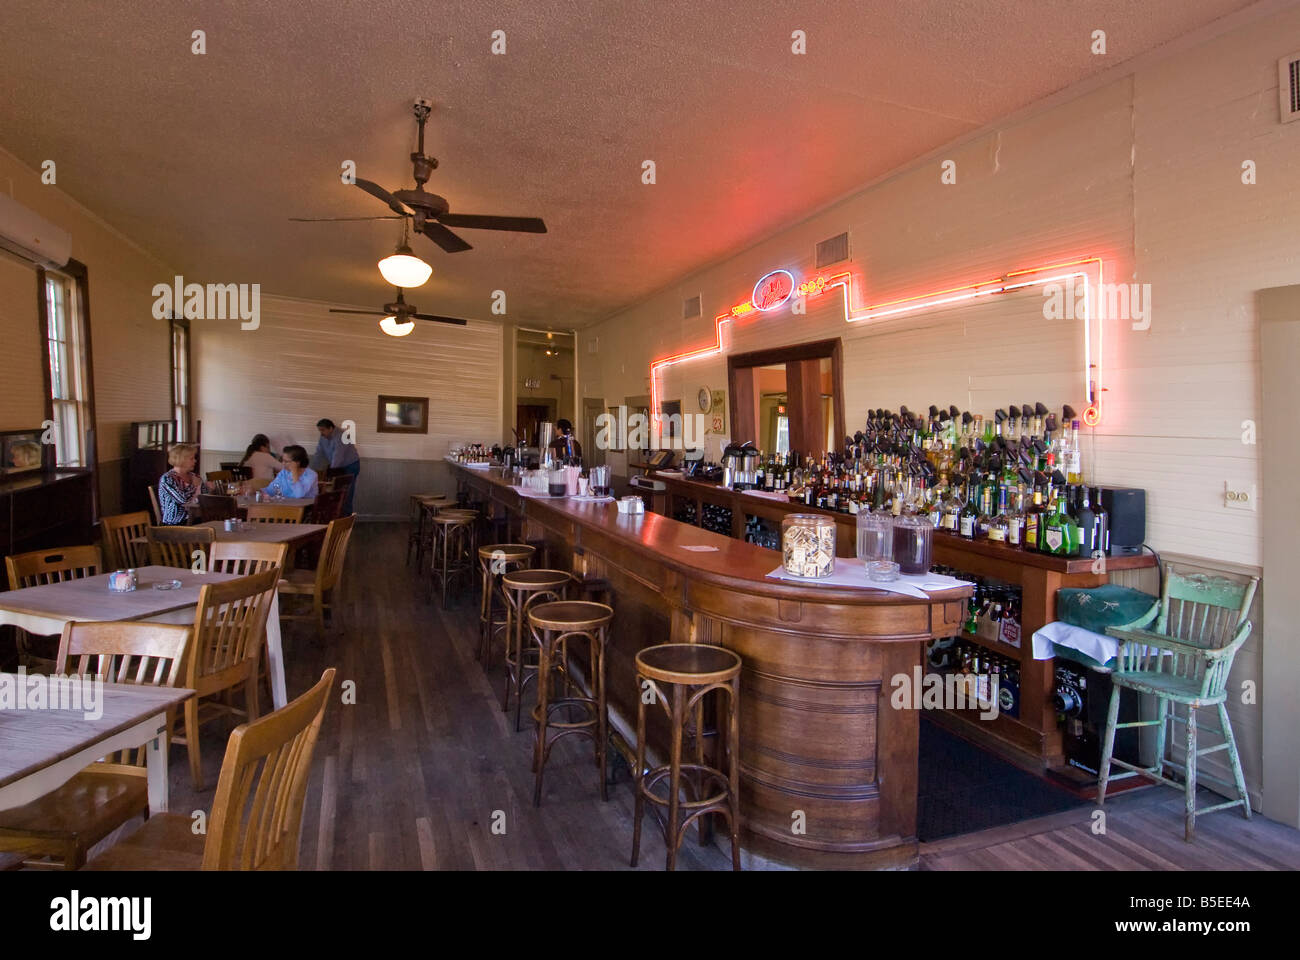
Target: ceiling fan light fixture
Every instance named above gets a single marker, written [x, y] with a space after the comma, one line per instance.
[391, 327]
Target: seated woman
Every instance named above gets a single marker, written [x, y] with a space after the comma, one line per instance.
[296, 479]
[179, 486]
[259, 458]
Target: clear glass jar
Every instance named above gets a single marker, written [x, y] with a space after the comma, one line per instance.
[913, 543]
[875, 536]
[808, 545]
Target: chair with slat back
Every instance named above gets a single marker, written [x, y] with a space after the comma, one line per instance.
[339, 479]
[1183, 658]
[116, 534]
[53, 566]
[224, 476]
[275, 513]
[175, 546]
[320, 583]
[213, 506]
[327, 507]
[154, 505]
[245, 558]
[259, 483]
[256, 821]
[58, 828]
[229, 631]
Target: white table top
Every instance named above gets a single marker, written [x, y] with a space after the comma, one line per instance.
[90, 599]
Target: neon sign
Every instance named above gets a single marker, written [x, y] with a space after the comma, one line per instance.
[771, 292]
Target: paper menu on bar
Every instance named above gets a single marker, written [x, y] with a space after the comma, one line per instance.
[851, 572]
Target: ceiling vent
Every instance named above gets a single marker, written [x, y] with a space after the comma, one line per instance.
[691, 307]
[833, 250]
[1288, 87]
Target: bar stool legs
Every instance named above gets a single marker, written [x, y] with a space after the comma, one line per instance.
[495, 560]
[690, 671]
[524, 589]
[553, 625]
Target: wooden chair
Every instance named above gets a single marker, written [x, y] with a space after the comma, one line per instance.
[225, 476]
[40, 567]
[245, 558]
[154, 505]
[229, 631]
[53, 566]
[1200, 624]
[256, 821]
[327, 507]
[213, 506]
[175, 546]
[258, 483]
[319, 583]
[116, 534]
[275, 513]
[58, 828]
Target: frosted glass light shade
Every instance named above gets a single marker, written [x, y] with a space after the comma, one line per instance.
[391, 327]
[405, 270]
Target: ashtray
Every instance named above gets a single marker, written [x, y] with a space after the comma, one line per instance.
[882, 571]
[168, 585]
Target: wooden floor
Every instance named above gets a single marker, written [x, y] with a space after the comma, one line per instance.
[416, 773]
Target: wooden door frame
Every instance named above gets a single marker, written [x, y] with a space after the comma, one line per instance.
[814, 350]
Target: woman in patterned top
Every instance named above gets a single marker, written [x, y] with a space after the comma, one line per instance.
[180, 485]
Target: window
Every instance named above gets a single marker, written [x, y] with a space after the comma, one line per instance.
[181, 378]
[69, 377]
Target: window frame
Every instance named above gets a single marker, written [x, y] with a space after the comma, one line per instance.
[79, 278]
[183, 426]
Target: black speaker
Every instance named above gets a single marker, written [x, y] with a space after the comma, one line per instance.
[1127, 510]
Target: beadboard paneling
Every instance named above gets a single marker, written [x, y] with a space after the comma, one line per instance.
[304, 363]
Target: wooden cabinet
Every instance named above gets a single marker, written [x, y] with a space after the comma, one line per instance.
[45, 510]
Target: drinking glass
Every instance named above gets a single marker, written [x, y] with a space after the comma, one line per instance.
[600, 481]
[556, 483]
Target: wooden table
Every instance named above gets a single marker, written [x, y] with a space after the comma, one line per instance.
[44, 610]
[243, 502]
[294, 534]
[44, 748]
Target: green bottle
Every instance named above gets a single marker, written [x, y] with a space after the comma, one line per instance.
[1060, 535]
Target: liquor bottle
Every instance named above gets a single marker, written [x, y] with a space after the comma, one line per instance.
[950, 513]
[986, 514]
[1058, 529]
[1102, 522]
[1016, 519]
[1033, 521]
[1087, 520]
[1073, 467]
[997, 523]
[969, 513]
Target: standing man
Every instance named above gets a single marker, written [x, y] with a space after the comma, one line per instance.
[339, 456]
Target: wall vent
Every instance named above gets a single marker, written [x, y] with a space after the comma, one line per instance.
[1288, 87]
[691, 307]
[833, 250]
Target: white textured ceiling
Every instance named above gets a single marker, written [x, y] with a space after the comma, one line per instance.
[202, 159]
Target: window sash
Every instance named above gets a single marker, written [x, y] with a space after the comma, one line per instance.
[68, 376]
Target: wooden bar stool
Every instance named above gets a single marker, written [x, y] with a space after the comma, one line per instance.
[452, 550]
[423, 505]
[524, 589]
[696, 668]
[553, 625]
[472, 516]
[495, 560]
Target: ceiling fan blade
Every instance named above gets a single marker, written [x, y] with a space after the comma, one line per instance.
[332, 219]
[443, 237]
[375, 190]
[459, 321]
[517, 224]
[364, 313]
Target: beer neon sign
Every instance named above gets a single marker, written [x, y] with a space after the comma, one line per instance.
[774, 289]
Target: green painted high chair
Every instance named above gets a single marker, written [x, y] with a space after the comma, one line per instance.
[1200, 624]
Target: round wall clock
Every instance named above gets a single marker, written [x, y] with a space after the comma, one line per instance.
[706, 400]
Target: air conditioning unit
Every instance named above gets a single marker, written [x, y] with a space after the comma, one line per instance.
[1288, 87]
[31, 236]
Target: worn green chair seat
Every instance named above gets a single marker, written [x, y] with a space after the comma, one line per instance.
[1184, 658]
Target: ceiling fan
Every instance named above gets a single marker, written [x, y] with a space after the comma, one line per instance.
[430, 213]
[399, 314]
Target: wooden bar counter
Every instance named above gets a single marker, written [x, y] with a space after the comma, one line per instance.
[828, 770]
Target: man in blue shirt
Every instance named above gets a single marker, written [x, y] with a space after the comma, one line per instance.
[339, 456]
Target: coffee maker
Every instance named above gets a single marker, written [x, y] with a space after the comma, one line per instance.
[740, 466]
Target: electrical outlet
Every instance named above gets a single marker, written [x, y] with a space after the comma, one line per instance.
[1241, 498]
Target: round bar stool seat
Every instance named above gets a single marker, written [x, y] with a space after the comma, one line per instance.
[524, 589]
[494, 560]
[690, 671]
[471, 515]
[553, 626]
[452, 550]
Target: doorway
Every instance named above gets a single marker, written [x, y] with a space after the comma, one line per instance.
[530, 416]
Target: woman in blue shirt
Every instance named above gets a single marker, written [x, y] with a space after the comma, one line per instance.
[296, 479]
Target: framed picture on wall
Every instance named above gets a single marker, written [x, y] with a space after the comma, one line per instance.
[403, 415]
[20, 452]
